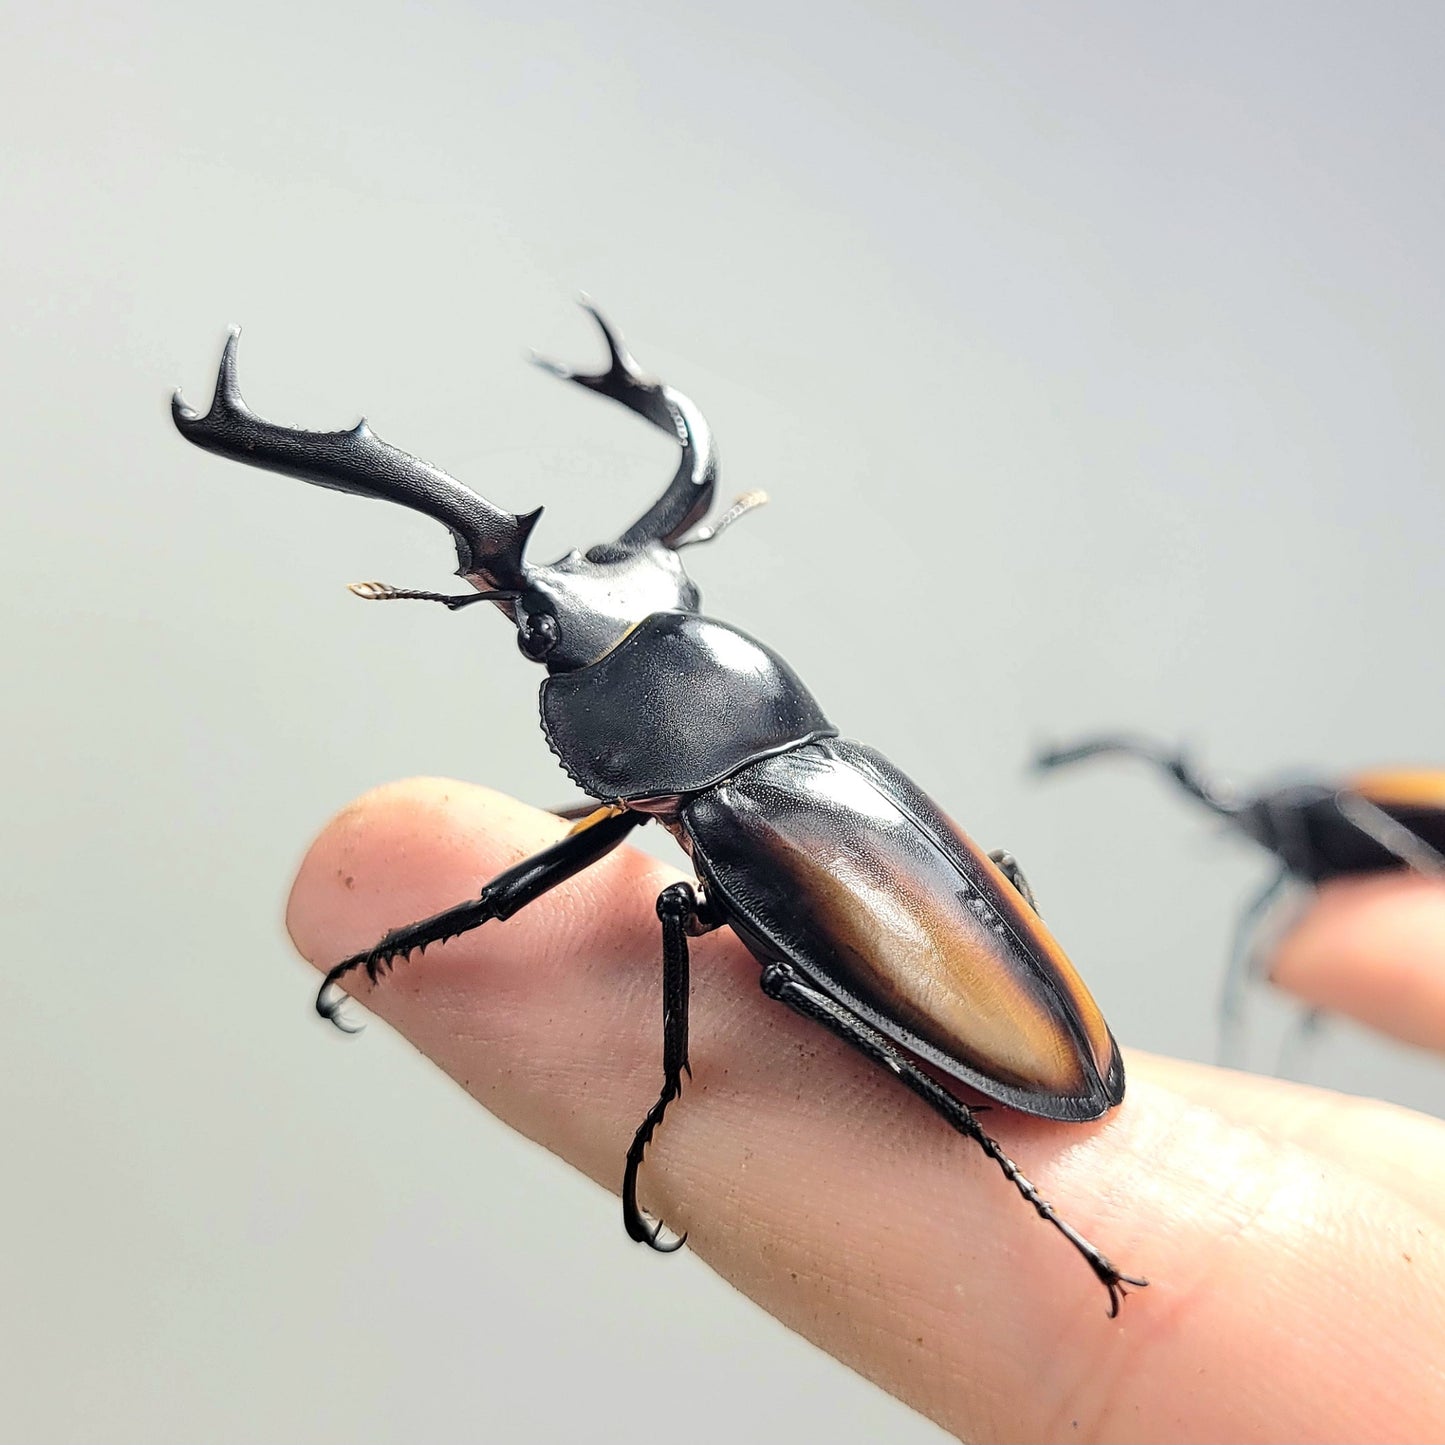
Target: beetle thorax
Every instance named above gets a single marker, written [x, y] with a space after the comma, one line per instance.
[1276, 822]
[681, 702]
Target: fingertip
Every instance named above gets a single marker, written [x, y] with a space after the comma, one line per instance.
[355, 878]
[1374, 950]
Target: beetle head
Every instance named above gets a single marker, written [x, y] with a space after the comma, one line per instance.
[579, 608]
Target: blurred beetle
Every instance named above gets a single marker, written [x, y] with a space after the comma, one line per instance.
[868, 910]
[1374, 822]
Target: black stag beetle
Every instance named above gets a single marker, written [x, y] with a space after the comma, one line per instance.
[1374, 822]
[868, 910]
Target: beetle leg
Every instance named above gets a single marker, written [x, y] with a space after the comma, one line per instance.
[1239, 972]
[1008, 865]
[681, 915]
[575, 812]
[501, 898]
[782, 981]
[1301, 1033]
[1390, 833]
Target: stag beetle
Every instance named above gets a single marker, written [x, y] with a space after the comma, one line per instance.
[1372, 823]
[866, 907]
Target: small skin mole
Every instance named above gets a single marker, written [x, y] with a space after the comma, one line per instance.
[349, 881]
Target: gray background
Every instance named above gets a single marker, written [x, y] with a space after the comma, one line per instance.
[1092, 356]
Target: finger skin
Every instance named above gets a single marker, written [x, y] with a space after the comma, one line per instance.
[1295, 1294]
[1372, 948]
[1397, 1148]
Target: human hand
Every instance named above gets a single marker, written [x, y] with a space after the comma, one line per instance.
[1372, 948]
[1294, 1239]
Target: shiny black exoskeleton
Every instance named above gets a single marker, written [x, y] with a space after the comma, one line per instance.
[1370, 823]
[866, 907]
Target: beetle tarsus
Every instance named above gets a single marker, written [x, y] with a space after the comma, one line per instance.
[781, 981]
[1011, 869]
[1108, 1274]
[501, 898]
[399, 946]
[1114, 1282]
[656, 1235]
[638, 1223]
[330, 999]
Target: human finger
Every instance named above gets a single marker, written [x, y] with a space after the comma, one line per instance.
[1372, 948]
[1292, 1295]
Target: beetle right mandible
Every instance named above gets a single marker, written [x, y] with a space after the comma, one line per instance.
[867, 909]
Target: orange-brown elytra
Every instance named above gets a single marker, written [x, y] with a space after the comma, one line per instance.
[868, 911]
[1373, 822]
[1402, 788]
[847, 871]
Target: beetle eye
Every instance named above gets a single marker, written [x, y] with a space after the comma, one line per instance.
[537, 635]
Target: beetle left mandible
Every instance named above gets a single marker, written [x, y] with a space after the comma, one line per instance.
[867, 909]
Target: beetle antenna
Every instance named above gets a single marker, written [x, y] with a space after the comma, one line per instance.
[382, 592]
[746, 503]
[1217, 799]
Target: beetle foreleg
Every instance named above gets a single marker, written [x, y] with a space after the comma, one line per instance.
[1008, 865]
[782, 982]
[1298, 1037]
[575, 812]
[1237, 975]
[501, 898]
[678, 908]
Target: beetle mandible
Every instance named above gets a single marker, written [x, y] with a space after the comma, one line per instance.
[868, 911]
[1374, 822]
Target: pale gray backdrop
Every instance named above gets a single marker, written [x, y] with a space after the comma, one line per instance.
[1093, 358]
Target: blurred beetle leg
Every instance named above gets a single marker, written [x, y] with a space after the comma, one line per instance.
[1299, 1038]
[1242, 969]
[1008, 865]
